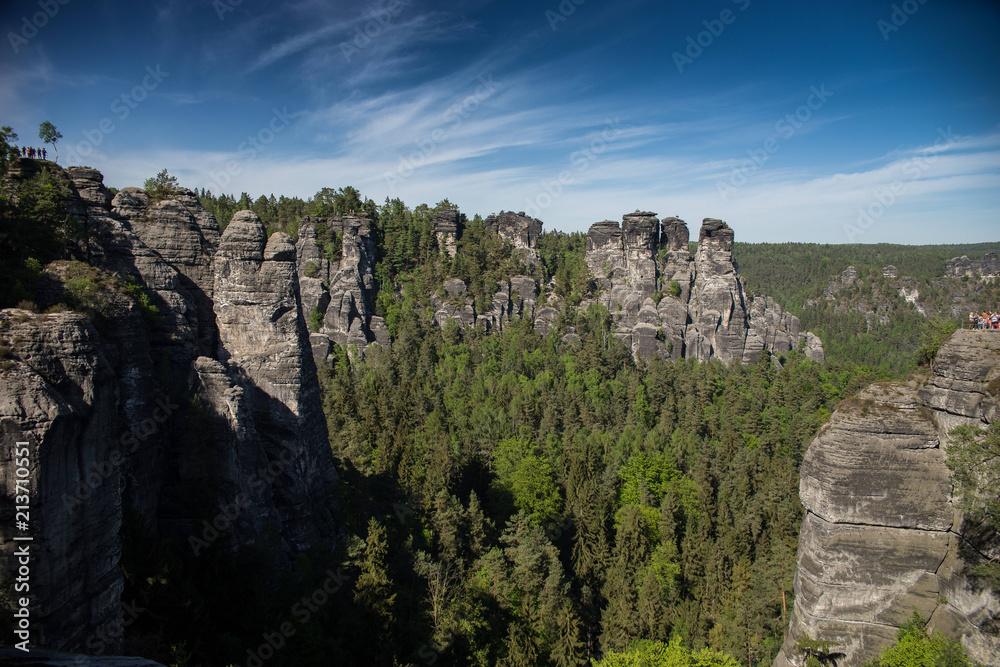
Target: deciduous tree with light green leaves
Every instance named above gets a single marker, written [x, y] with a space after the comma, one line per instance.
[916, 648]
[48, 133]
[974, 457]
[660, 654]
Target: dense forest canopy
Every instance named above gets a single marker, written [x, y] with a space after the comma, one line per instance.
[869, 321]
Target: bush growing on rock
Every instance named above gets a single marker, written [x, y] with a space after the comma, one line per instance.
[915, 648]
[161, 186]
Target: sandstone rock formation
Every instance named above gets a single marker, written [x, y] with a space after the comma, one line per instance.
[262, 334]
[448, 228]
[520, 229]
[881, 535]
[61, 398]
[963, 266]
[342, 292]
[666, 303]
[216, 391]
[515, 297]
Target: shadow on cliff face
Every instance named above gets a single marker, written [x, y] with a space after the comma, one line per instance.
[979, 550]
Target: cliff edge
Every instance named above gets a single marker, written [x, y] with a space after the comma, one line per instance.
[170, 378]
[881, 535]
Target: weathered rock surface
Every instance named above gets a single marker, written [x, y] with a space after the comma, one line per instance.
[262, 331]
[520, 229]
[127, 413]
[185, 236]
[702, 309]
[963, 266]
[448, 228]
[881, 535]
[343, 292]
[60, 398]
[516, 297]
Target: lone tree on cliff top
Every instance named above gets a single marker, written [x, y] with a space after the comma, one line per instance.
[161, 186]
[48, 133]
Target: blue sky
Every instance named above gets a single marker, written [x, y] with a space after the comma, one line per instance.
[844, 121]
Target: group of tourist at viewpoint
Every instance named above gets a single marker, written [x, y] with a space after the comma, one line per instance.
[984, 320]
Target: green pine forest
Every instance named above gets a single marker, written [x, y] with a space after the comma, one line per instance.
[514, 499]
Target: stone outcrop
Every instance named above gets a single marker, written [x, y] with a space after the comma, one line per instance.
[881, 535]
[989, 267]
[215, 392]
[669, 304]
[185, 236]
[60, 398]
[520, 229]
[718, 311]
[263, 334]
[847, 277]
[342, 292]
[313, 269]
[352, 286]
[448, 228]
[516, 297]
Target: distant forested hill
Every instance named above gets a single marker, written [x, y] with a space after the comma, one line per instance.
[792, 273]
[874, 320]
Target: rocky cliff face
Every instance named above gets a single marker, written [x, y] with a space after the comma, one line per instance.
[341, 292]
[963, 266]
[520, 229]
[60, 396]
[881, 535]
[208, 407]
[448, 228]
[666, 303]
